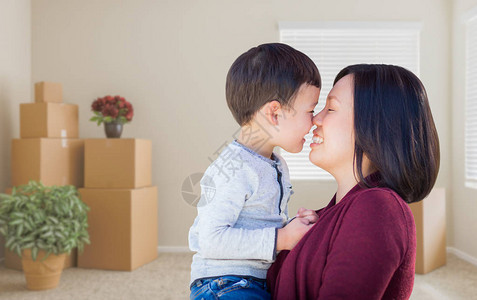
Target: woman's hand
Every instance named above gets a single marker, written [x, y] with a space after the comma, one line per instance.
[308, 214]
[291, 234]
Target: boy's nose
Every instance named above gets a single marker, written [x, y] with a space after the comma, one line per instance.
[317, 119]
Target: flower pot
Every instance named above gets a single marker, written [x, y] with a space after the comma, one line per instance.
[113, 129]
[42, 274]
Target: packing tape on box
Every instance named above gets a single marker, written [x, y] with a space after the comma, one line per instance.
[63, 133]
[64, 143]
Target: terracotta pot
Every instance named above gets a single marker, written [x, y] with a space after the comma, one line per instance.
[113, 129]
[42, 274]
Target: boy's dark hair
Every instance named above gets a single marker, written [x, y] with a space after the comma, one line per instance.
[265, 73]
[394, 128]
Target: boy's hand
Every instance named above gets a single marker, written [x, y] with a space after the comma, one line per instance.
[291, 234]
[308, 214]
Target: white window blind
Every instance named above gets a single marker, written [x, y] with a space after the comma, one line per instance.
[335, 45]
[471, 103]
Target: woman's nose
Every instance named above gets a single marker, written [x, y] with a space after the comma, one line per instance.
[317, 119]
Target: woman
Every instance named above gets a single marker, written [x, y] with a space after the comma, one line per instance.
[376, 136]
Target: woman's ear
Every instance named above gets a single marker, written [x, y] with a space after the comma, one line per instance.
[271, 112]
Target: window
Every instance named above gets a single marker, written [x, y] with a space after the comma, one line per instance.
[471, 101]
[335, 45]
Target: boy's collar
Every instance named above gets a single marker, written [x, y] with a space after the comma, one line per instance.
[273, 161]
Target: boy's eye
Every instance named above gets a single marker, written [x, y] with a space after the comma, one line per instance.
[329, 109]
[312, 111]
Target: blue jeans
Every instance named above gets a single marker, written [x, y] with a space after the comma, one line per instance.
[229, 287]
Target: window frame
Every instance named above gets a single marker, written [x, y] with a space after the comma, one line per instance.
[470, 23]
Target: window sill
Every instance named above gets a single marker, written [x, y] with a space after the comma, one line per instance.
[471, 184]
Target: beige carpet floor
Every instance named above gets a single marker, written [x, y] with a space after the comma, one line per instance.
[168, 276]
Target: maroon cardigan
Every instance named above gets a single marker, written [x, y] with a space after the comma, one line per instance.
[364, 247]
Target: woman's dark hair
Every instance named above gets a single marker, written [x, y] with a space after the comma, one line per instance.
[265, 73]
[394, 128]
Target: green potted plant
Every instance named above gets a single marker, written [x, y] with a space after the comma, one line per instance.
[42, 224]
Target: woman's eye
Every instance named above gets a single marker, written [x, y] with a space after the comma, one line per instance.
[312, 111]
[329, 109]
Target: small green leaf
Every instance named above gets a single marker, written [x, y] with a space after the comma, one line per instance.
[28, 225]
[34, 253]
[10, 242]
[28, 245]
[48, 252]
[47, 234]
[15, 222]
[53, 219]
[19, 230]
[18, 214]
[27, 238]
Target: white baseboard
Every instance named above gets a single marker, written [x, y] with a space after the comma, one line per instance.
[178, 249]
[184, 249]
[462, 255]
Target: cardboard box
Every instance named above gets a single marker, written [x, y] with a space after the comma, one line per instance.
[48, 120]
[430, 218]
[122, 228]
[13, 261]
[117, 163]
[51, 161]
[48, 92]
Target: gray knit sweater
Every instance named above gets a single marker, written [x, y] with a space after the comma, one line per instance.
[244, 199]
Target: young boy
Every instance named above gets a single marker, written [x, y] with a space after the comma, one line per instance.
[271, 91]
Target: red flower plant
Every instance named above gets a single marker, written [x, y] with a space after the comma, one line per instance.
[112, 109]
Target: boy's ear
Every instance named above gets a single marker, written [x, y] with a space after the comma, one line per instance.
[271, 111]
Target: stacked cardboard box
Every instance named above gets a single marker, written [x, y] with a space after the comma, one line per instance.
[123, 204]
[48, 149]
[430, 218]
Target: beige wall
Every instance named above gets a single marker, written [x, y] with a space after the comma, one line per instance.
[170, 58]
[464, 204]
[15, 77]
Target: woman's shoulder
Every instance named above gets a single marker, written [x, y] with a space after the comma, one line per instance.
[378, 196]
[382, 202]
